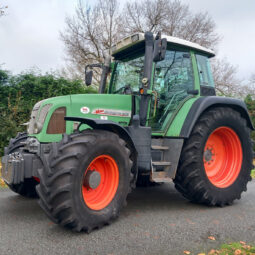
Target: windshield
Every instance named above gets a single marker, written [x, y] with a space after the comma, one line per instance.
[127, 76]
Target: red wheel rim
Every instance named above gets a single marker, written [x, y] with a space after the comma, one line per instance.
[223, 157]
[101, 196]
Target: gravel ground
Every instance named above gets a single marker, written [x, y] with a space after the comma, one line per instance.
[157, 220]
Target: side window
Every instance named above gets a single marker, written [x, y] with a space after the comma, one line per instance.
[175, 71]
[172, 79]
[204, 70]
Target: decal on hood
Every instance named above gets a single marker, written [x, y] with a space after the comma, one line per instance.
[109, 112]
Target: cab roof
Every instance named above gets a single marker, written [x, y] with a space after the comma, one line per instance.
[138, 38]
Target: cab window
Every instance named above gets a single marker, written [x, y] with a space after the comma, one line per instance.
[173, 78]
[204, 70]
[127, 76]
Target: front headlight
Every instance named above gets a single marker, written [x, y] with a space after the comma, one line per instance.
[37, 127]
[36, 130]
[37, 121]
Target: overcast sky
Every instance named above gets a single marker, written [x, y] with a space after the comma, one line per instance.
[29, 33]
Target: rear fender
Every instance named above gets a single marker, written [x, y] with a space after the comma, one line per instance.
[205, 103]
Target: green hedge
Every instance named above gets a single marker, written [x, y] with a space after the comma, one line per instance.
[250, 103]
[19, 93]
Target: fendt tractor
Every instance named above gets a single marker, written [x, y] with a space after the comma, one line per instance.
[156, 118]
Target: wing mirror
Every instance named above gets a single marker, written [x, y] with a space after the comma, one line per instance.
[159, 51]
[88, 77]
[89, 73]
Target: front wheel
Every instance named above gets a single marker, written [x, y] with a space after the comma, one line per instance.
[216, 159]
[88, 180]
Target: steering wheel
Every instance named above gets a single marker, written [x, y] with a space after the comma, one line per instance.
[126, 89]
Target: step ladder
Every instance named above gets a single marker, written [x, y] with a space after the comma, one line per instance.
[160, 167]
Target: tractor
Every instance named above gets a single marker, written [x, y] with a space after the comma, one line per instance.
[155, 119]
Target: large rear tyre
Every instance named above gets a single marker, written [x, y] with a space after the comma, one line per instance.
[88, 180]
[26, 188]
[216, 160]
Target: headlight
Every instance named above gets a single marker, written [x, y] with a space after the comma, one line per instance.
[37, 120]
[37, 127]
[36, 130]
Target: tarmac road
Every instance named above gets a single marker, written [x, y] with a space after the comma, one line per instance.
[157, 220]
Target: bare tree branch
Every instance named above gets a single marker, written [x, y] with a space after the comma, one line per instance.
[225, 79]
[2, 10]
[172, 18]
[89, 34]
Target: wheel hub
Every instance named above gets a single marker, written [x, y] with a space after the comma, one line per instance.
[208, 155]
[100, 182]
[223, 157]
[92, 179]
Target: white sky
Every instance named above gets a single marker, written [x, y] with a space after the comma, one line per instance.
[29, 33]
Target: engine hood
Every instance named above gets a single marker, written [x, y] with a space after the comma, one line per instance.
[117, 108]
[114, 107]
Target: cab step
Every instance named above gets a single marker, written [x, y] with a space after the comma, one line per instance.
[158, 147]
[161, 163]
[160, 176]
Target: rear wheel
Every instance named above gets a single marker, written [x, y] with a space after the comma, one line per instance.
[88, 180]
[216, 160]
[26, 188]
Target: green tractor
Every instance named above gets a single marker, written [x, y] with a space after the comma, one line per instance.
[158, 120]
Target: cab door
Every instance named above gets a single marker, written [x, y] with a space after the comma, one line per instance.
[173, 81]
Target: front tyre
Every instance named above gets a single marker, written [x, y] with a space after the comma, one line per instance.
[26, 188]
[88, 180]
[216, 160]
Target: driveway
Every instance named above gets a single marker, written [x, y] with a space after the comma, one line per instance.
[157, 220]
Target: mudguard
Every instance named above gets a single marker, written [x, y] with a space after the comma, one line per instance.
[106, 125]
[205, 103]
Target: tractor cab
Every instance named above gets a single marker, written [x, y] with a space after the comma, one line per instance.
[177, 72]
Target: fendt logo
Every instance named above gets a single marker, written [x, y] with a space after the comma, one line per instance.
[85, 110]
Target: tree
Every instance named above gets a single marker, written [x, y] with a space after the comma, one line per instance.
[252, 80]
[91, 33]
[250, 103]
[250, 87]
[172, 18]
[2, 10]
[225, 79]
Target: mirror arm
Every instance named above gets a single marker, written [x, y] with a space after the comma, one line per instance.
[106, 70]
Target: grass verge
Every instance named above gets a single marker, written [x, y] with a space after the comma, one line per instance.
[240, 248]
